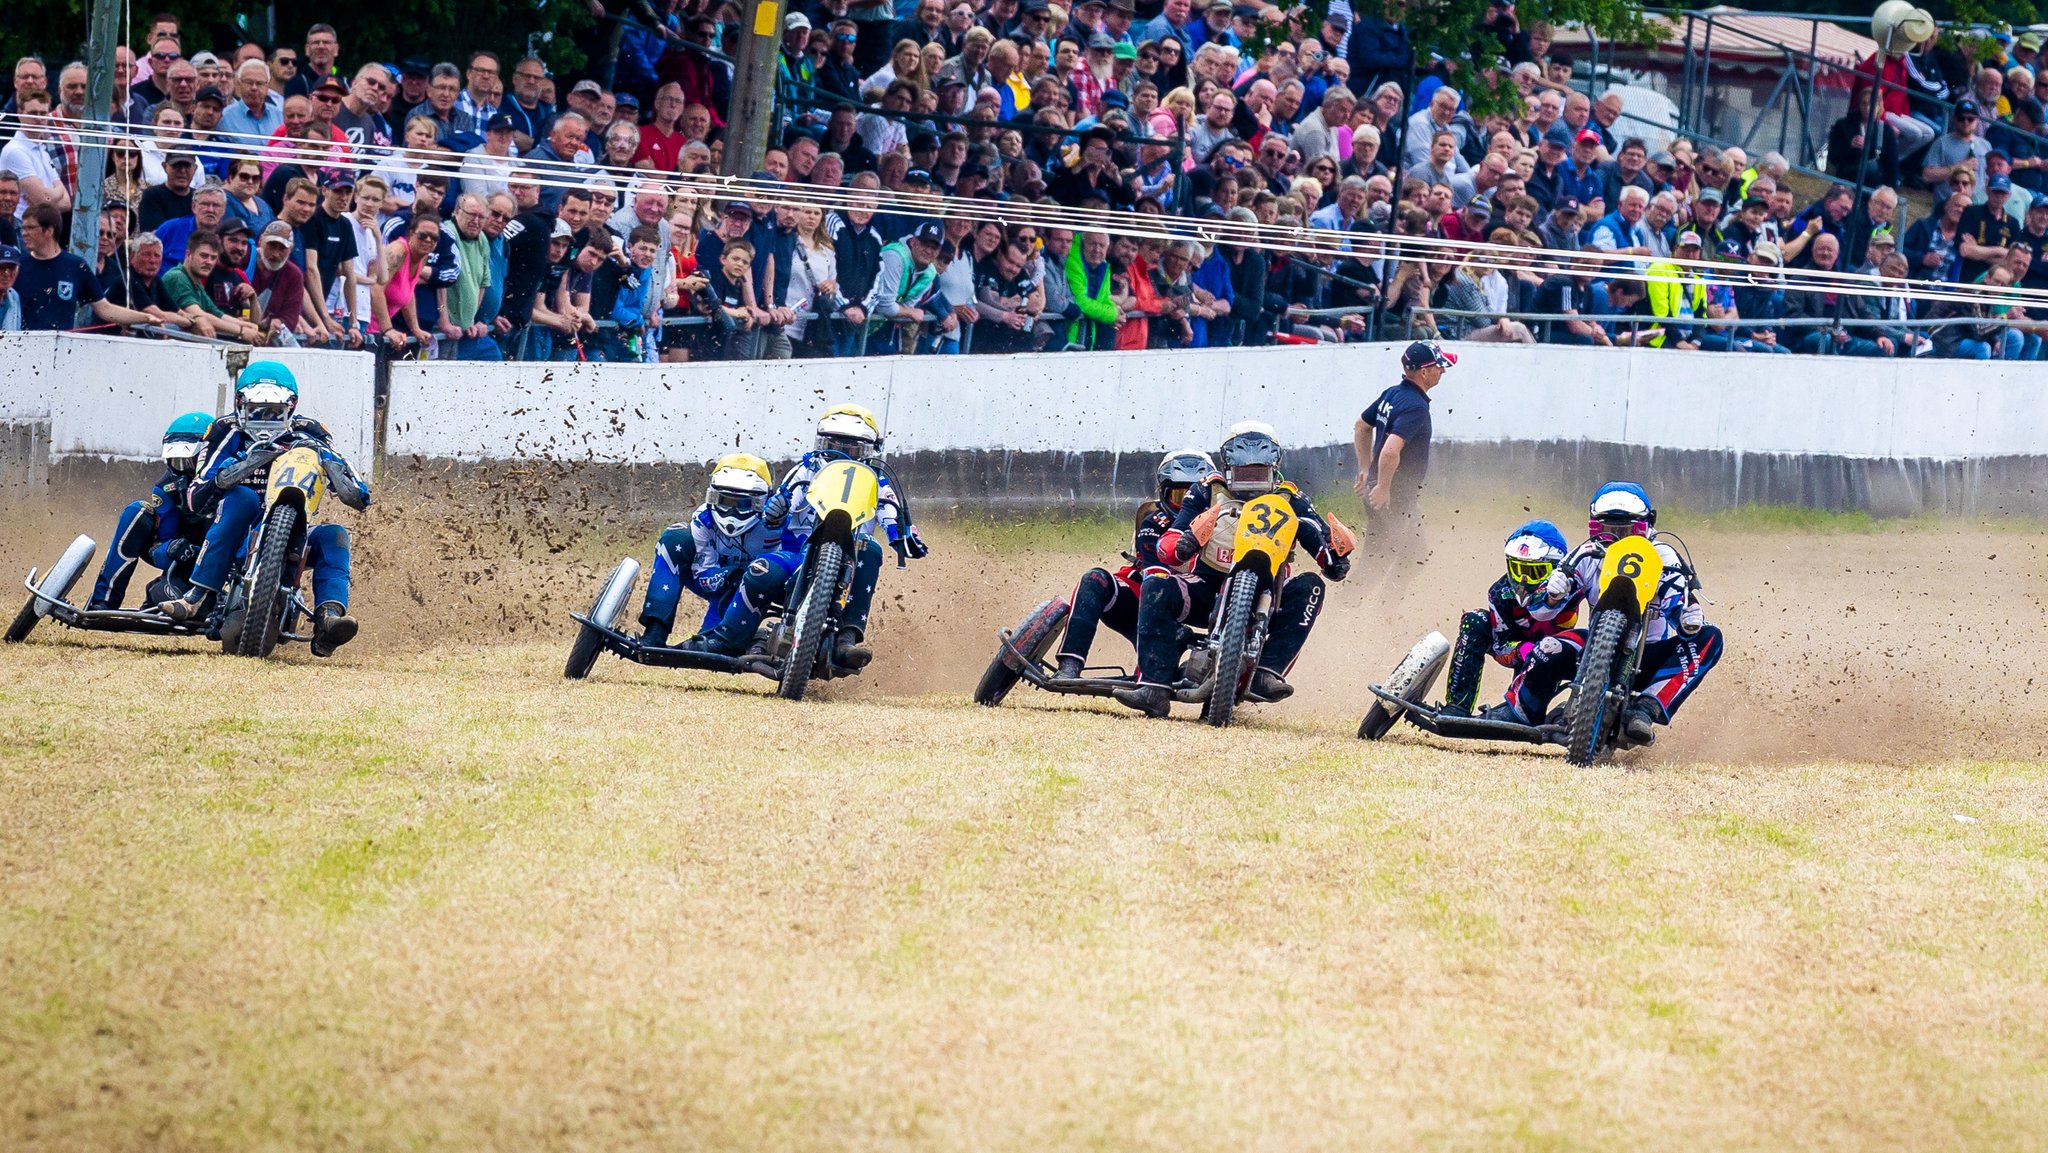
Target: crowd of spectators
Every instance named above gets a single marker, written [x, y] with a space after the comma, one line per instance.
[485, 208]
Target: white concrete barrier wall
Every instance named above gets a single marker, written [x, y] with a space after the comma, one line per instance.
[1153, 401]
[110, 397]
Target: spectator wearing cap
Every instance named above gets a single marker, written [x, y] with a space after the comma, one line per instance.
[1986, 230]
[793, 62]
[1880, 244]
[1391, 442]
[1560, 227]
[290, 314]
[904, 280]
[1585, 182]
[1678, 294]
[487, 168]
[10, 300]
[1091, 75]
[330, 241]
[172, 198]
[1703, 215]
[1962, 146]
[1548, 181]
[1997, 163]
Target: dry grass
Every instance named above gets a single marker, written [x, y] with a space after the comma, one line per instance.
[452, 901]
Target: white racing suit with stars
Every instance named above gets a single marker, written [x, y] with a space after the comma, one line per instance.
[1674, 661]
[696, 554]
[765, 584]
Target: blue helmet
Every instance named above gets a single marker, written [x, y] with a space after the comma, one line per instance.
[1533, 552]
[266, 395]
[1620, 508]
[184, 440]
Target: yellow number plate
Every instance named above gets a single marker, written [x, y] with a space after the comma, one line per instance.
[1266, 527]
[299, 469]
[1634, 560]
[845, 486]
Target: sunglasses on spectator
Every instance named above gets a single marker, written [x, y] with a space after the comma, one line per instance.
[327, 97]
[286, 62]
[847, 39]
[163, 56]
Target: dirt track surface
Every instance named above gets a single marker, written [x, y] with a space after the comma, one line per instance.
[1911, 643]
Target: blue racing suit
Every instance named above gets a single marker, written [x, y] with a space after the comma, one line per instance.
[1674, 660]
[1512, 634]
[160, 529]
[767, 579]
[235, 493]
[694, 553]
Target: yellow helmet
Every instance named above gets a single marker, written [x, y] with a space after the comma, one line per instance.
[747, 461]
[849, 429]
[738, 489]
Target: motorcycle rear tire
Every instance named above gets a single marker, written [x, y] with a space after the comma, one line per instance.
[1590, 729]
[827, 560]
[1042, 628]
[263, 618]
[1241, 598]
[24, 623]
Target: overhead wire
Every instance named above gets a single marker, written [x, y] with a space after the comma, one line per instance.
[1363, 247]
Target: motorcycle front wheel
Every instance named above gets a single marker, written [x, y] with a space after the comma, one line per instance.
[1241, 598]
[263, 616]
[1592, 716]
[808, 628]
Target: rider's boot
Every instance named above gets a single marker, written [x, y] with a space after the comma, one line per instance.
[194, 605]
[332, 628]
[1639, 722]
[1152, 700]
[1070, 668]
[1268, 685]
[850, 653]
[1504, 711]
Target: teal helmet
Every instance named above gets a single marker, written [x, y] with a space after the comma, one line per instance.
[266, 395]
[184, 440]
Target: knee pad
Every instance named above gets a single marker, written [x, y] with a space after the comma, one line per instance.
[1162, 595]
[677, 546]
[1096, 584]
[763, 582]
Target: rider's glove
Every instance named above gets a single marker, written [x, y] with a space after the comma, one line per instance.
[1692, 618]
[728, 577]
[914, 544]
[1204, 526]
[1337, 567]
[233, 475]
[1558, 587]
[180, 551]
[775, 509]
[1549, 646]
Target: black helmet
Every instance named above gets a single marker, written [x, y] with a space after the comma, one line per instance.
[1181, 471]
[1251, 459]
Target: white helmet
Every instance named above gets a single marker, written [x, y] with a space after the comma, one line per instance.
[738, 489]
[849, 429]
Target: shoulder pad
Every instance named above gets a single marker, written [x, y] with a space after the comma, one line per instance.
[156, 499]
[1147, 510]
[1288, 487]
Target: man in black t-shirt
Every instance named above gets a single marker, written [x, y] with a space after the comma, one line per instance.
[53, 284]
[173, 198]
[329, 240]
[1391, 442]
[526, 238]
[1986, 229]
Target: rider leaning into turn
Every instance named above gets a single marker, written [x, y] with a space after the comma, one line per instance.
[845, 432]
[159, 528]
[230, 485]
[1529, 612]
[1167, 601]
[1680, 647]
[1111, 598]
[710, 551]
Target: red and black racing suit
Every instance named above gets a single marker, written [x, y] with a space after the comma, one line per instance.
[1168, 600]
[1111, 598]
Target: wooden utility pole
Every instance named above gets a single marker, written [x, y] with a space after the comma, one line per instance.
[92, 150]
[753, 89]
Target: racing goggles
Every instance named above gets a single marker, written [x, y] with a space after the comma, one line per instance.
[264, 406]
[1250, 478]
[734, 503]
[1529, 573]
[845, 445]
[1174, 494]
[182, 454]
[1613, 530]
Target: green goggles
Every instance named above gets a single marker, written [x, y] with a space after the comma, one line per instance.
[1530, 573]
